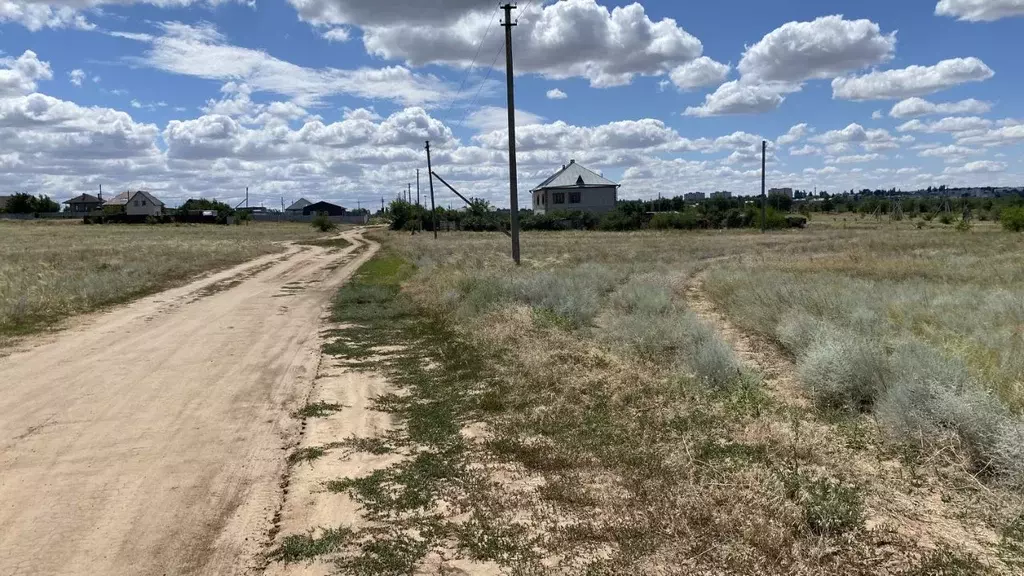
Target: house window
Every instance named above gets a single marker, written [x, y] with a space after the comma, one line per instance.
[574, 197]
[136, 202]
[558, 198]
[143, 202]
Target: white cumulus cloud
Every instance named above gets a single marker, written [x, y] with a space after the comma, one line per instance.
[950, 124]
[556, 94]
[977, 167]
[699, 73]
[339, 34]
[980, 10]
[571, 38]
[738, 97]
[76, 77]
[794, 134]
[20, 75]
[823, 48]
[805, 150]
[914, 107]
[911, 81]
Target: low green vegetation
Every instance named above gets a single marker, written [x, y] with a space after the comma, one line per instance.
[336, 243]
[1012, 219]
[322, 223]
[52, 270]
[480, 216]
[578, 415]
[302, 547]
[318, 409]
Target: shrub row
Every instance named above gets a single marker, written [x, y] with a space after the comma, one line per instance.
[919, 395]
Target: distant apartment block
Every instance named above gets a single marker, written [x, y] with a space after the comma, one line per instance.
[787, 192]
[694, 196]
[721, 194]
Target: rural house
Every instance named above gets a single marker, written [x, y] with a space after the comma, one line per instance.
[575, 188]
[137, 203]
[296, 208]
[323, 208]
[84, 204]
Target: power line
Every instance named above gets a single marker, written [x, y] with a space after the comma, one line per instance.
[523, 11]
[483, 83]
[469, 70]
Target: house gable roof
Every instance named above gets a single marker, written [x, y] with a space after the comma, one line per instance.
[574, 175]
[125, 197]
[299, 204]
[119, 200]
[152, 199]
[324, 204]
[84, 199]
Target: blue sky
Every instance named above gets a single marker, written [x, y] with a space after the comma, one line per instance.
[332, 99]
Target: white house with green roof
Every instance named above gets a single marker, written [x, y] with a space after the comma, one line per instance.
[575, 188]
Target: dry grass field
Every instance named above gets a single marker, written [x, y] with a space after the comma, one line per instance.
[51, 270]
[844, 399]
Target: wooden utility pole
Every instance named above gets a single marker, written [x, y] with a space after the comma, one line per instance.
[430, 178]
[408, 192]
[417, 186]
[764, 197]
[513, 182]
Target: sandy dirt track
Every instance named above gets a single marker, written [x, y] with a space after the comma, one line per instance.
[151, 439]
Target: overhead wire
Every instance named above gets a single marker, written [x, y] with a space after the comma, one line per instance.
[472, 64]
[523, 11]
[490, 69]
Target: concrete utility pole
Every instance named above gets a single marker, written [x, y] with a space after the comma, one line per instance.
[513, 182]
[408, 192]
[246, 196]
[430, 177]
[764, 197]
[417, 186]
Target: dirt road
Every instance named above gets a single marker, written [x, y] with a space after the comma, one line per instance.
[151, 439]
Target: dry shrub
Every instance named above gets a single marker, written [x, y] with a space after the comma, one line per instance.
[797, 330]
[646, 294]
[645, 320]
[573, 295]
[843, 371]
[931, 398]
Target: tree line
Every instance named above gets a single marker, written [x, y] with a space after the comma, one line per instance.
[480, 215]
[22, 203]
[716, 213]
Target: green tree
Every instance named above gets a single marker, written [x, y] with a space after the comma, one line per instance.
[22, 203]
[322, 222]
[479, 207]
[205, 204]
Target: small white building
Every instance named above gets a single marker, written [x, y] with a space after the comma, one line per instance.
[143, 203]
[575, 188]
[135, 203]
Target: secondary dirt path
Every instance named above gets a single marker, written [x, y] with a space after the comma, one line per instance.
[778, 371]
[151, 439]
